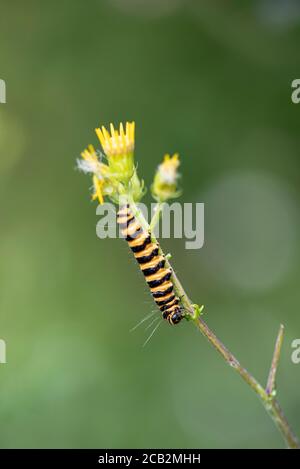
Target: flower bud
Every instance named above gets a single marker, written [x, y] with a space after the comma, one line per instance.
[164, 186]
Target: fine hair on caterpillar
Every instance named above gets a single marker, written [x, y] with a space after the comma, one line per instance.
[152, 264]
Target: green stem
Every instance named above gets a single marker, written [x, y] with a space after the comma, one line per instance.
[156, 216]
[267, 398]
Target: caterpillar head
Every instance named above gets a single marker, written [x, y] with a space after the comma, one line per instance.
[176, 316]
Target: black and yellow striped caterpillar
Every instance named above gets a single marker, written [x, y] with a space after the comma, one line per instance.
[152, 264]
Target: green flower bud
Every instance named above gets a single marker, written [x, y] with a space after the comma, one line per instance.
[165, 186]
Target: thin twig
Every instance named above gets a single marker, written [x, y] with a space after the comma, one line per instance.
[270, 389]
[269, 402]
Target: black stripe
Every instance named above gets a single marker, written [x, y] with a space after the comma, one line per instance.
[161, 293]
[164, 302]
[166, 314]
[127, 222]
[134, 235]
[142, 246]
[156, 283]
[153, 270]
[167, 306]
[124, 213]
[145, 259]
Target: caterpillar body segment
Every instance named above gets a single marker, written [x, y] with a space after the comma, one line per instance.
[152, 264]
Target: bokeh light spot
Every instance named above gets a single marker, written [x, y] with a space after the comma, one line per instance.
[251, 230]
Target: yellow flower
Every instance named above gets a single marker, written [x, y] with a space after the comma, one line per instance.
[165, 181]
[118, 146]
[98, 189]
[118, 177]
[117, 143]
[90, 164]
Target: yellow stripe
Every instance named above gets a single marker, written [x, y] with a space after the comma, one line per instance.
[124, 211]
[172, 309]
[138, 241]
[131, 229]
[162, 287]
[158, 276]
[173, 303]
[166, 297]
[152, 263]
[146, 252]
[124, 219]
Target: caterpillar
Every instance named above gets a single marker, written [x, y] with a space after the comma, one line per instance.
[152, 265]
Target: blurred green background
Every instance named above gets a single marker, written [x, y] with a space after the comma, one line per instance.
[208, 80]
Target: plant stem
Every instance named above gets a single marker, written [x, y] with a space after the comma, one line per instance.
[269, 401]
[271, 384]
[156, 216]
[267, 396]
